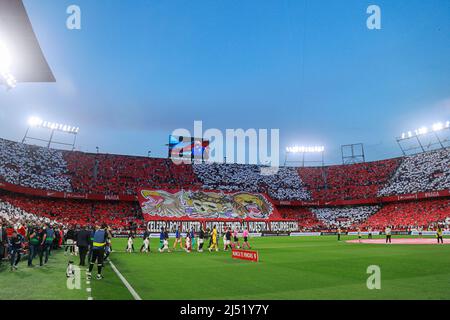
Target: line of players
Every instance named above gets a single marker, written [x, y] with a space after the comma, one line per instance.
[191, 241]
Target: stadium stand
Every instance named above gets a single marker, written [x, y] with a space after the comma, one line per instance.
[345, 182]
[118, 215]
[34, 167]
[43, 168]
[344, 216]
[400, 215]
[16, 217]
[285, 184]
[66, 171]
[307, 220]
[422, 172]
[407, 215]
[115, 174]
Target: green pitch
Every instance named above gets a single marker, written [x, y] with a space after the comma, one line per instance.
[289, 268]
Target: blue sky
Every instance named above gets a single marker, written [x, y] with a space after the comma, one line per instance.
[139, 69]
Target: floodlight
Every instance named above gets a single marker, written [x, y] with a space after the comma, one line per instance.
[304, 149]
[37, 122]
[423, 130]
[438, 126]
[34, 121]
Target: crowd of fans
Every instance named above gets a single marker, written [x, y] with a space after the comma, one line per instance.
[283, 183]
[307, 220]
[17, 229]
[118, 215]
[44, 168]
[345, 217]
[35, 167]
[17, 217]
[409, 215]
[345, 182]
[26, 235]
[429, 171]
[116, 174]
[405, 216]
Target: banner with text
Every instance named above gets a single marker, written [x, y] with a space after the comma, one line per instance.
[249, 255]
[222, 225]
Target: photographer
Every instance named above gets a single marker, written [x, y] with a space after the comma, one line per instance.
[47, 241]
[33, 243]
[15, 243]
[3, 241]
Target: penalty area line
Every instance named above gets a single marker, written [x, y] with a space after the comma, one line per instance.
[125, 282]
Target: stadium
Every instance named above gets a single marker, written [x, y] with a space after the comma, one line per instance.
[218, 230]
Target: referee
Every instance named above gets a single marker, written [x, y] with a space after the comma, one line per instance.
[98, 251]
[439, 234]
[388, 231]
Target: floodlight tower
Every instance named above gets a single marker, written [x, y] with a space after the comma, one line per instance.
[35, 122]
[425, 139]
[353, 153]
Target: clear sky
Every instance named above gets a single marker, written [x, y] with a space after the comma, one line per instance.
[139, 69]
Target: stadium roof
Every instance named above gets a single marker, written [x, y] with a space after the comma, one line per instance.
[16, 33]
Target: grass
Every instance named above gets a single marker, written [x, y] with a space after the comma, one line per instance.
[289, 268]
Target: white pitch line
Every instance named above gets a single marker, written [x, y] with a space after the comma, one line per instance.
[88, 288]
[125, 282]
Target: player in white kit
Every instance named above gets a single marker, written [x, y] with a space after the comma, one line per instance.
[146, 245]
[130, 246]
[188, 243]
